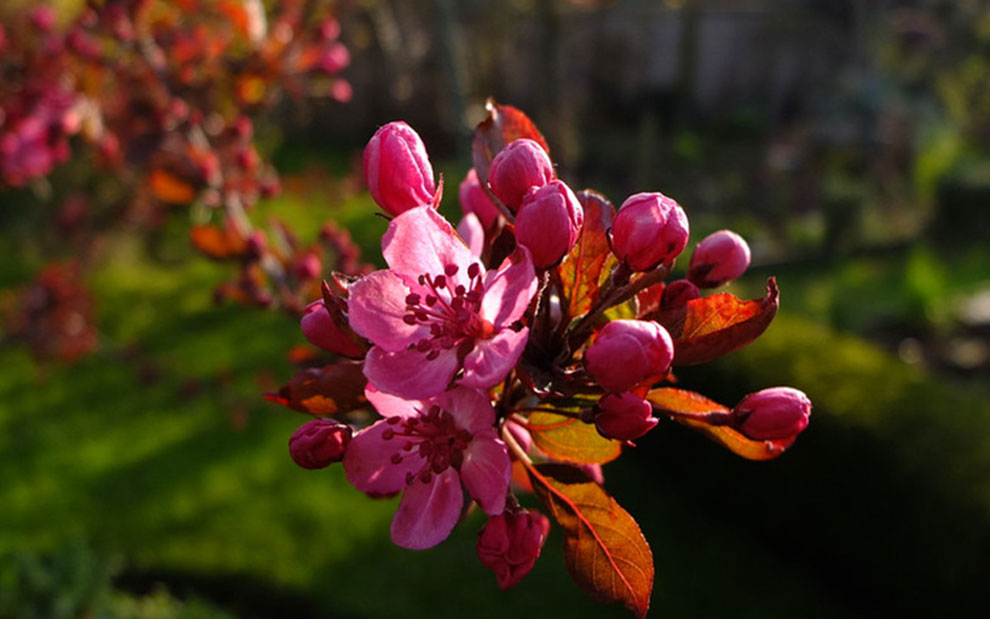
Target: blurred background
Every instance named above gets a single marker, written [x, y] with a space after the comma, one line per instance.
[142, 474]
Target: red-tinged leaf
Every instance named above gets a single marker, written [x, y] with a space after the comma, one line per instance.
[330, 390]
[649, 298]
[675, 401]
[169, 188]
[301, 354]
[604, 550]
[571, 440]
[710, 327]
[216, 242]
[504, 125]
[588, 265]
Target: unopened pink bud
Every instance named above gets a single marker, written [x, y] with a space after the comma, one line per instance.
[510, 543]
[474, 200]
[771, 414]
[308, 266]
[649, 229]
[319, 442]
[627, 353]
[329, 29]
[718, 259]
[518, 167]
[335, 59]
[397, 169]
[679, 292]
[43, 18]
[255, 245]
[549, 222]
[321, 331]
[624, 416]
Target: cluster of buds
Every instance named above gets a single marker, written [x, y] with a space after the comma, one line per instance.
[523, 350]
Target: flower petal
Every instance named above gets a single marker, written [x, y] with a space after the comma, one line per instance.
[428, 511]
[472, 233]
[389, 405]
[375, 307]
[491, 360]
[509, 290]
[368, 461]
[420, 241]
[471, 409]
[408, 374]
[486, 471]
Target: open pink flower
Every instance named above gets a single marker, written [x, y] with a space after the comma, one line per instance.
[436, 316]
[428, 447]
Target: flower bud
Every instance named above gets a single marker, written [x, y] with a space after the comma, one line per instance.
[518, 167]
[548, 223]
[319, 442]
[474, 200]
[321, 331]
[43, 18]
[510, 543]
[397, 169]
[771, 414]
[335, 59]
[627, 353]
[649, 229]
[718, 259]
[308, 266]
[624, 416]
[679, 292]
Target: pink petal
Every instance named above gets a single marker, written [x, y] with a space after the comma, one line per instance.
[389, 405]
[428, 511]
[509, 290]
[486, 471]
[491, 360]
[368, 461]
[408, 374]
[471, 409]
[472, 233]
[375, 307]
[420, 241]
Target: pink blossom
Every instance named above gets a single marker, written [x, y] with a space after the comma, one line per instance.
[521, 165]
[627, 353]
[321, 331]
[679, 292]
[319, 443]
[649, 229]
[549, 222]
[718, 259]
[397, 169]
[510, 543]
[428, 448]
[772, 414]
[624, 416]
[436, 316]
[473, 199]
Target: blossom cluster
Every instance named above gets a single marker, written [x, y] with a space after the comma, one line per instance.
[158, 99]
[521, 350]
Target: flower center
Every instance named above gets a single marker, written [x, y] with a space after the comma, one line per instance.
[434, 436]
[453, 313]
